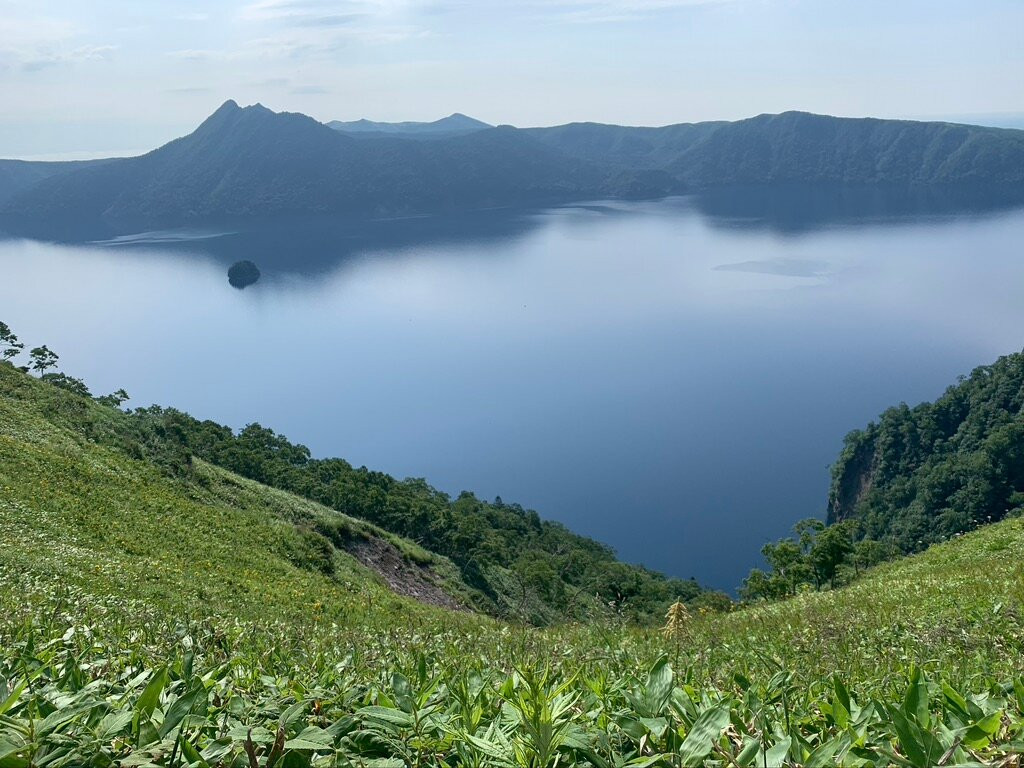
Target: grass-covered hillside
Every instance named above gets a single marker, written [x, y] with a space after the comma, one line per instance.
[77, 514]
[155, 617]
[495, 557]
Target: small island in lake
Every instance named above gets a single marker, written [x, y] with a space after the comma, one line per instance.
[243, 273]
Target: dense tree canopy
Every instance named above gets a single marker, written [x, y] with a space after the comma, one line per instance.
[519, 564]
[921, 475]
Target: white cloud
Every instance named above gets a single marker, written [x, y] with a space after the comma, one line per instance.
[31, 42]
[602, 11]
[309, 12]
[197, 54]
[41, 59]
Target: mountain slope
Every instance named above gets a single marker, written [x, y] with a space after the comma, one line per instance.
[78, 514]
[798, 147]
[251, 162]
[19, 175]
[497, 558]
[924, 474]
[154, 620]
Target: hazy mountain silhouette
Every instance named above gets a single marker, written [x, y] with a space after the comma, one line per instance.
[453, 125]
[803, 148]
[251, 163]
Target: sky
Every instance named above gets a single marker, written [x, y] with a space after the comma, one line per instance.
[82, 79]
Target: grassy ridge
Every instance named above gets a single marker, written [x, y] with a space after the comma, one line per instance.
[154, 620]
[500, 558]
[75, 512]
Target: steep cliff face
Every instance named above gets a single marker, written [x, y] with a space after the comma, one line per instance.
[852, 475]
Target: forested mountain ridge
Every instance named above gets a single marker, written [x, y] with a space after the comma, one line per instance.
[799, 147]
[19, 175]
[923, 474]
[247, 163]
[806, 148]
[243, 163]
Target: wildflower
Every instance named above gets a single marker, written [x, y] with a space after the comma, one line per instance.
[676, 620]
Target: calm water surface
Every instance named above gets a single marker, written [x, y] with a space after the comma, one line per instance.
[672, 381]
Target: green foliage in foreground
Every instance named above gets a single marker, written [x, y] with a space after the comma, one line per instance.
[916, 665]
[147, 619]
[921, 475]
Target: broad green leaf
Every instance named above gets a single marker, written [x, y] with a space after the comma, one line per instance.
[63, 716]
[980, 733]
[12, 698]
[954, 699]
[646, 762]
[656, 725]
[658, 688]
[751, 749]
[387, 715]
[190, 752]
[9, 755]
[915, 702]
[192, 703]
[216, 751]
[705, 731]
[777, 754]
[824, 754]
[311, 738]
[113, 724]
[149, 699]
[919, 746]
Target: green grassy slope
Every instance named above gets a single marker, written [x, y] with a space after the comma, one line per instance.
[76, 513]
[152, 620]
[498, 558]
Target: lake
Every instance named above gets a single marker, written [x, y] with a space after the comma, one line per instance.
[672, 378]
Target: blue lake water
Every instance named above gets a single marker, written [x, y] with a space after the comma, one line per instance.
[670, 378]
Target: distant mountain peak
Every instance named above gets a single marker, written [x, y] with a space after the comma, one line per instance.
[227, 107]
[252, 162]
[455, 123]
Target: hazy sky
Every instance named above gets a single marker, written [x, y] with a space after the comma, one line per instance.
[125, 75]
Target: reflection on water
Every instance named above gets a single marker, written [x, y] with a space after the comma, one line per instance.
[800, 209]
[667, 378]
[784, 267]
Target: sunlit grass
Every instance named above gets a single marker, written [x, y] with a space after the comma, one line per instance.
[147, 620]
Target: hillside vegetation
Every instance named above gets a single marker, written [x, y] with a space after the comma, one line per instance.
[798, 147]
[157, 613]
[915, 477]
[246, 163]
[498, 558]
[921, 475]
